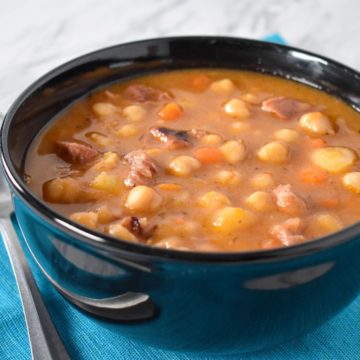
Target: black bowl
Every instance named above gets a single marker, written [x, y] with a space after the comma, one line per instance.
[215, 302]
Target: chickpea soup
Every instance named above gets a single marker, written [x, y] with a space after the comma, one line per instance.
[204, 160]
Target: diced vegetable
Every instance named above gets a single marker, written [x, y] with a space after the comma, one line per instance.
[86, 218]
[213, 199]
[127, 131]
[107, 162]
[324, 223]
[224, 86]
[262, 181]
[228, 177]
[200, 82]
[334, 159]
[108, 183]
[209, 155]
[211, 139]
[105, 109]
[171, 111]
[312, 175]
[287, 135]
[134, 113]
[63, 191]
[119, 231]
[260, 201]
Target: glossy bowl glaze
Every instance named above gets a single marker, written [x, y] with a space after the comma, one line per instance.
[200, 302]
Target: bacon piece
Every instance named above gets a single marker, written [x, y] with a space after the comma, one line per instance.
[142, 93]
[173, 139]
[142, 168]
[284, 107]
[287, 201]
[288, 233]
[132, 223]
[75, 152]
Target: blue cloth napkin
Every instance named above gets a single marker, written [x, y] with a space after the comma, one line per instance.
[88, 338]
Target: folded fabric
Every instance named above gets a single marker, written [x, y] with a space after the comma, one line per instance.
[88, 338]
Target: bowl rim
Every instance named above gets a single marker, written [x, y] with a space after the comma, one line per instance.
[101, 240]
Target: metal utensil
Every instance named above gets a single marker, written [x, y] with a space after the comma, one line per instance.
[45, 343]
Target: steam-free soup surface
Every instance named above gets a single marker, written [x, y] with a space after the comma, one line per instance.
[205, 160]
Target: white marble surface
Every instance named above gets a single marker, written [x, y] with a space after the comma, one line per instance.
[37, 35]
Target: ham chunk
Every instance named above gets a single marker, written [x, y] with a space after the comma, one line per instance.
[289, 232]
[173, 139]
[284, 107]
[142, 93]
[75, 152]
[142, 168]
[287, 201]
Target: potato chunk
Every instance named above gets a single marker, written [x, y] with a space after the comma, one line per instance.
[233, 151]
[85, 218]
[237, 108]
[229, 220]
[134, 113]
[119, 231]
[107, 182]
[63, 191]
[143, 199]
[351, 181]
[184, 165]
[104, 109]
[334, 159]
[316, 123]
[287, 135]
[274, 152]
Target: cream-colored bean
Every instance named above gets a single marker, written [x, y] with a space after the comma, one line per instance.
[351, 181]
[262, 181]
[237, 108]
[86, 218]
[228, 177]
[287, 135]
[316, 123]
[334, 159]
[134, 113]
[260, 201]
[127, 130]
[211, 139]
[274, 152]
[324, 223]
[184, 165]
[119, 231]
[224, 86]
[105, 109]
[143, 199]
[233, 151]
[213, 199]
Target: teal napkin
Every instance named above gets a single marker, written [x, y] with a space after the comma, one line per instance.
[88, 338]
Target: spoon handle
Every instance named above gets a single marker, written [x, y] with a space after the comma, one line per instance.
[45, 343]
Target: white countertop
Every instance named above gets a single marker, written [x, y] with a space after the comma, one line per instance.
[38, 35]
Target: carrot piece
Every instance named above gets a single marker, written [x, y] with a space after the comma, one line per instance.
[329, 203]
[170, 111]
[169, 187]
[317, 143]
[209, 155]
[312, 175]
[200, 82]
[180, 221]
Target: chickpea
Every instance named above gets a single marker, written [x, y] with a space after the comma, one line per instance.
[237, 108]
[240, 127]
[128, 130]
[322, 224]
[85, 218]
[104, 109]
[233, 151]
[143, 199]
[262, 181]
[119, 231]
[228, 221]
[224, 86]
[134, 113]
[107, 182]
[287, 135]
[260, 201]
[104, 215]
[316, 123]
[228, 177]
[334, 159]
[274, 152]
[211, 139]
[213, 199]
[351, 181]
[184, 165]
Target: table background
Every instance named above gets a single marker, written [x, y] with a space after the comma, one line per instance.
[37, 35]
